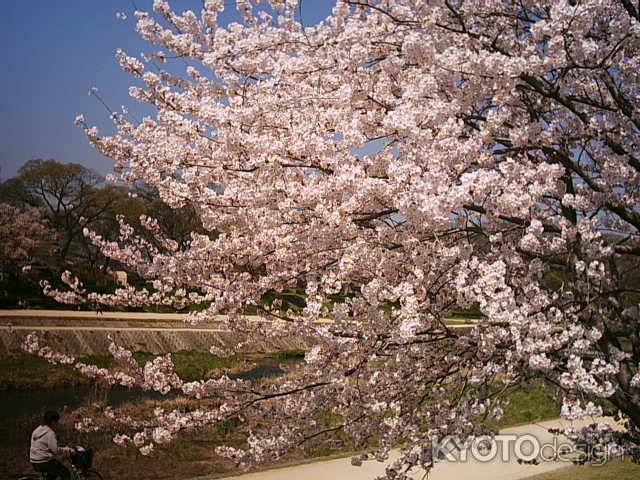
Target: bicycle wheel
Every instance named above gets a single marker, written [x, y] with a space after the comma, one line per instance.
[90, 475]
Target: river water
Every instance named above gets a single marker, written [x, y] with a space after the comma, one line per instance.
[21, 410]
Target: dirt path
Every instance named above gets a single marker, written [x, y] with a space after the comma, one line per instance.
[472, 469]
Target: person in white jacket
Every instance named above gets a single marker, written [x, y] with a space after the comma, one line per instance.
[44, 448]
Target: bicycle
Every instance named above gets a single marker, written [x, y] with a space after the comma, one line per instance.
[81, 459]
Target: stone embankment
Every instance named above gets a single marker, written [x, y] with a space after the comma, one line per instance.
[86, 333]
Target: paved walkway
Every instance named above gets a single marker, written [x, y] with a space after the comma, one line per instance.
[83, 321]
[64, 314]
[114, 328]
[472, 469]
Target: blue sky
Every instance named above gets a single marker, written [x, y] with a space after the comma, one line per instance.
[53, 52]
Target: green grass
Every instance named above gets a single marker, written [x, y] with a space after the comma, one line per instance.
[528, 404]
[613, 470]
[290, 354]
[23, 371]
[30, 371]
[191, 364]
[26, 363]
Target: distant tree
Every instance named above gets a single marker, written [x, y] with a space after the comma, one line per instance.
[72, 197]
[13, 192]
[22, 234]
[26, 240]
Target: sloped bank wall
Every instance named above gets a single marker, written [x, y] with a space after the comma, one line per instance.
[89, 342]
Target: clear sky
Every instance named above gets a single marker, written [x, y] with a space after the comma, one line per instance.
[52, 53]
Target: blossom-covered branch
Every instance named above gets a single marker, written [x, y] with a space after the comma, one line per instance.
[396, 162]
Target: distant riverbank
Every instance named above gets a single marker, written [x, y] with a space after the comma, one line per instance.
[21, 371]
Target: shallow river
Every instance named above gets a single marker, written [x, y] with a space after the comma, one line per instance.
[21, 410]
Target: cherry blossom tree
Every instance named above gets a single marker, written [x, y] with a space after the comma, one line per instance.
[25, 239]
[398, 161]
[22, 232]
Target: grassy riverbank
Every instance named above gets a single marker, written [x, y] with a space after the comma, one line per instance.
[530, 403]
[24, 371]
[613, 470]
[192, 453]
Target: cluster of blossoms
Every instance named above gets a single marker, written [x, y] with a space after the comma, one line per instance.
[86, 425]
[156, 375]
[398, 161]
[19, 246]
[32, 344]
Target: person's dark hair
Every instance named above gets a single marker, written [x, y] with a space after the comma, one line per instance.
[50, 417]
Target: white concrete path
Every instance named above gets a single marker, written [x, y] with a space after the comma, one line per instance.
[75, 314]
[49, 328]
[472, 469]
